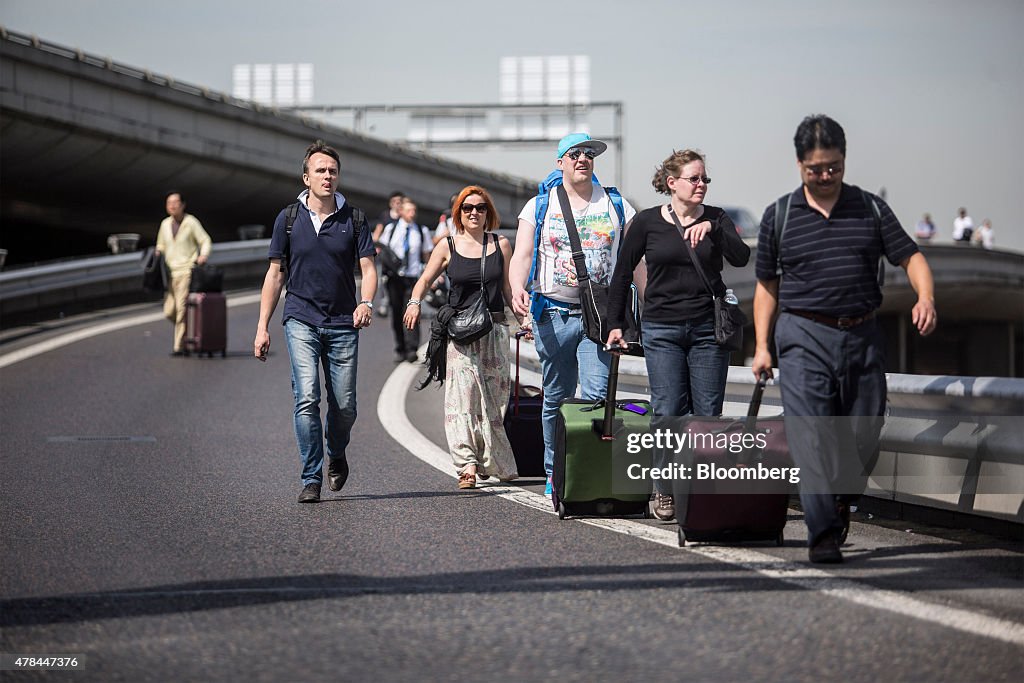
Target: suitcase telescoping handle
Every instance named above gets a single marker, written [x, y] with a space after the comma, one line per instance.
[515, 394]
[755, 402]
[608, 428]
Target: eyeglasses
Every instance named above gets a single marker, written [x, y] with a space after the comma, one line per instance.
[575, 152]
[696, 179]
[469, 208]
[822, 169]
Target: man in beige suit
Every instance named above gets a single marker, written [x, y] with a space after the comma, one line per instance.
[183, 243]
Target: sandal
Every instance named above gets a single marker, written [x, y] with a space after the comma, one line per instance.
[467, 480]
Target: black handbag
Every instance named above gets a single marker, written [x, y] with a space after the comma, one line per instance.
[473, 322]
[389, 262]
[729, 319]
[154, 272]
[594, 295]
[206, 278]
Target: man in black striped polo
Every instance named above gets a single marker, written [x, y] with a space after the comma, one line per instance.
[823, 243]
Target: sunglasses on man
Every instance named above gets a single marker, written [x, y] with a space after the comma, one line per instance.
[575, 152]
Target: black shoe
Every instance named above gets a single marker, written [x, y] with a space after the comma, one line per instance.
[843, 508]
[399, 356]
[310, 494]
[826, 550]
[177, 354]
[337, 473]
[411, 356]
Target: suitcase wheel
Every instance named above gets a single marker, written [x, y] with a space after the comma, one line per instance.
[682, 538]
[780, 540]
[561, 510]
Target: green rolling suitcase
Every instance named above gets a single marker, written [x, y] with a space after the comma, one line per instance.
[582, 478]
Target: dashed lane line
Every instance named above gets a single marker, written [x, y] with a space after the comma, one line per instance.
[392, 416]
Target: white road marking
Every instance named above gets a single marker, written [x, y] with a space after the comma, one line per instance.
[392, 416]
[87, 332]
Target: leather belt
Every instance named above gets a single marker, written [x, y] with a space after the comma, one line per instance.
[843, 323]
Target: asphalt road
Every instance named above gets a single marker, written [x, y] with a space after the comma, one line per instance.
[149, 524]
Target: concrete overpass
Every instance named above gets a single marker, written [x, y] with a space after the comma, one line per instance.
[90, 146]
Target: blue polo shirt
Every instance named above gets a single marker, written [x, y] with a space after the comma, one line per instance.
[830, 265]
[321, 285]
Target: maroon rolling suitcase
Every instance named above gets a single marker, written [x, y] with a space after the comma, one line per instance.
[523, 424]
[206, 323]
[725, 509]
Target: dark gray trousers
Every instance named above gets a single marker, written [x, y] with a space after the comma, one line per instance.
[827, 374]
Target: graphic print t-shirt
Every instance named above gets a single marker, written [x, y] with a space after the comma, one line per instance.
[600, 232]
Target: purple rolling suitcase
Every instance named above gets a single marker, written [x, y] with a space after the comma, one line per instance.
[730, 510]
[206, 323]
[523, 424]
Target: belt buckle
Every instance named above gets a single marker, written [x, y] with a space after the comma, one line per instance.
[846, 323]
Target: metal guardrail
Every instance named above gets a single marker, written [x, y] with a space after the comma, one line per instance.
[952, 443]
[102, 276]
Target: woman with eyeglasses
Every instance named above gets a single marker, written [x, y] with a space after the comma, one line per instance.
[686, 368]
[475, 375]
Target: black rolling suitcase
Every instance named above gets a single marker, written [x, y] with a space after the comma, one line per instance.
[523, 424]
[583, 479]
[726, 510]
[206, 323]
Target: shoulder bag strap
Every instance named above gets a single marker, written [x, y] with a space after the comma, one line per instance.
[574, 236]
[689, 249]
[781, 218]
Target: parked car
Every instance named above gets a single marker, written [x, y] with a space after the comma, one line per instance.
[746, 224]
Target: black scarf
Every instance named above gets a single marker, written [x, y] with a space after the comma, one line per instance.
[437, 350]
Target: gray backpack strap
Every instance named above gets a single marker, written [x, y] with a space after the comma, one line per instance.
[781, 218]
[870, 202]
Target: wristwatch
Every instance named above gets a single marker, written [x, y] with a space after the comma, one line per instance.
[368, 303]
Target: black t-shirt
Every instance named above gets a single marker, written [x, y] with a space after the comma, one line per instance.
[464, 278]
[674, 291]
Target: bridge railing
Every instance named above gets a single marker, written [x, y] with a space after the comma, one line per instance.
[951, 443]
[100, 277]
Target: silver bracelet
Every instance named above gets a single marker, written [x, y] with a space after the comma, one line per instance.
[412, 302]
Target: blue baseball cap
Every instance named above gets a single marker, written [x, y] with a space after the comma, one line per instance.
[579, 140]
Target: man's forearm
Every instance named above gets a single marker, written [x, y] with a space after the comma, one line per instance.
[766, 302]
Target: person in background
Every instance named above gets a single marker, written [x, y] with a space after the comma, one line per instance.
[388, 215]
[184, 243]
[687, 369]
[830, 347]
[983, 236]
[544, 283]
[925, 229]
[412, 244]
[476, 376]
[322, 314]
[963, 227]
[444, 221]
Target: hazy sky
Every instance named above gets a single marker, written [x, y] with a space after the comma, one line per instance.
[928, 92]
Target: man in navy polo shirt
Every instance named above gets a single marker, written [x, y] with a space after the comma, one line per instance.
[830, 346]
[322, 315]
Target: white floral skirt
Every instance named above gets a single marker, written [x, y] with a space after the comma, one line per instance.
[476, 391]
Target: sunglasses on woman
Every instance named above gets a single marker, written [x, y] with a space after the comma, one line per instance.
[469, 208]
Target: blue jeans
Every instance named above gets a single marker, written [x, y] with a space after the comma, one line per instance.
[686, 370]
[566, 357]
[337, 349]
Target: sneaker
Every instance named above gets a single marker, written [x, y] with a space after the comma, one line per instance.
[826, 550]
[548, 490]
[310, 494]
[664, 507]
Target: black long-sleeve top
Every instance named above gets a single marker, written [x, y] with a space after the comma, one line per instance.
[674, 290]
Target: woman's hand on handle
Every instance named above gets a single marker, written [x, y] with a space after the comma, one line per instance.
[615, 339]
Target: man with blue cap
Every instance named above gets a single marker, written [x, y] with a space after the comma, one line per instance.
[544, 282]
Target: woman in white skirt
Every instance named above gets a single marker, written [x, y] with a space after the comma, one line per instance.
[476, 375]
